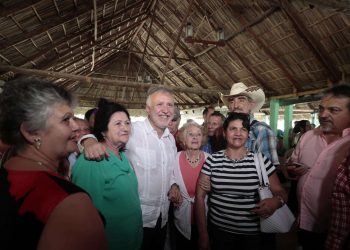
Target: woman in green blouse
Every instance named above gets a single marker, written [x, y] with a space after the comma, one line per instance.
[111, 182]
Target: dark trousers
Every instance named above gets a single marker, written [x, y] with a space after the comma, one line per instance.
[268, 241]
[154, 238]
[310, 240]
[182, 243]
[221, 240]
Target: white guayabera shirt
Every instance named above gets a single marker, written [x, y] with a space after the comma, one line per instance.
[153, 160]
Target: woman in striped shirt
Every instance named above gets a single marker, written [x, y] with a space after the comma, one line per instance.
[234, 206]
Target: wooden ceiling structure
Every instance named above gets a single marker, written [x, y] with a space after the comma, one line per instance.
[117, 49]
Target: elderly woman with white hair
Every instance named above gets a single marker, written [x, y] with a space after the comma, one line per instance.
[189, 163]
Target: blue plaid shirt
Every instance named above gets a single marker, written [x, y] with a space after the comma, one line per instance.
[262, 139]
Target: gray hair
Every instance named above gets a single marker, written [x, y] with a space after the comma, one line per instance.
[155, 89]
[30, 101]
[184, 128]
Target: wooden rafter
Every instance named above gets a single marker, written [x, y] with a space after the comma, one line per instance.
[89, 46]
[18, 5]
[140, 52]
[191, 74]
[84, 8]
[146, 42]
[249, 68]
[312, 43]
[268, 51]
[89, 80]
[174, 82]
[229, 74]
[188, 54]
[179, 32]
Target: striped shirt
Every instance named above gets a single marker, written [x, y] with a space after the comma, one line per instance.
[234, 192]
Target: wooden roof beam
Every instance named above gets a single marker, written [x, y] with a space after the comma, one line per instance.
[44, 51]
[89, 46]
[151, 49]
[53, 22]
[311, 42]
[89, 80]
[241, 30]
[267, 50]
[146, 43]
[82, 43]
[234, 79]
[121, 101]
[249, 68]
[188, 72]
[140, 52]
[201, 67]
[16, 7]
[177, 40]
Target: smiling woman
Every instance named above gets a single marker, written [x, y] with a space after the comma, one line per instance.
[111, 182]
[234, 206]
[36, 119]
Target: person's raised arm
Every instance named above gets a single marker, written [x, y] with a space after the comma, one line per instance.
[200, 213]
[93, 150]
[74, 225]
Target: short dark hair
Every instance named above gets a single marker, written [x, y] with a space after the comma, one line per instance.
[103, 115]
[300, 125]
[341, 90]
[89, 113]
[232, 116]
[218, 114]
[206, 109]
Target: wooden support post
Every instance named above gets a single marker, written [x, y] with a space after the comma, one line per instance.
[288, 117]
[274, 107]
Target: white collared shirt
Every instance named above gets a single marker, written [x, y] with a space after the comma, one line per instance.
[153, 160]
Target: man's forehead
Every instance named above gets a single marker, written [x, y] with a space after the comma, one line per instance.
[231, 97]
[334, 100]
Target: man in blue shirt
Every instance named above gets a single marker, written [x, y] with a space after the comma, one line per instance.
[243, 99]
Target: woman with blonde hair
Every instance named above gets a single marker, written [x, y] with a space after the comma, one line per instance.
[189, 163]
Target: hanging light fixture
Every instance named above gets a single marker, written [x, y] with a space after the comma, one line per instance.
[190, 39]
[189, 30]
[220, 34]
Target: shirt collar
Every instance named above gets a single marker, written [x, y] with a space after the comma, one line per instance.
[151, 130]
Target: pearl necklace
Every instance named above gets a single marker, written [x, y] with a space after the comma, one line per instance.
[196, 160]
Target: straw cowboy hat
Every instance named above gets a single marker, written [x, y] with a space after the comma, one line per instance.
[255, 93]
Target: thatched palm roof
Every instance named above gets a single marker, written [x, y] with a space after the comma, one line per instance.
[117, 49]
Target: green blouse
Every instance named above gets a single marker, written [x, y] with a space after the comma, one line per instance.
[112, 185]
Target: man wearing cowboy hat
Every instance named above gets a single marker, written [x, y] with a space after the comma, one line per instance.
[244, 99]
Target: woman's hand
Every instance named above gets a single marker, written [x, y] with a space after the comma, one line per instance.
[204, 183]
[93, 150]
[296, 170]
[267, 207]
[174, 195]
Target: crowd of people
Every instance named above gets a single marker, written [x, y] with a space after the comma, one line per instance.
[105, 182]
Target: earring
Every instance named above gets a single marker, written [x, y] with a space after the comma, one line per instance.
[37, 142]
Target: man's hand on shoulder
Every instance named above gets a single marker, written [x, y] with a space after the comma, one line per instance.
[94, 150]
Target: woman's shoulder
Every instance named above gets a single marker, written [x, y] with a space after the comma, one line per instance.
[42, 191]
